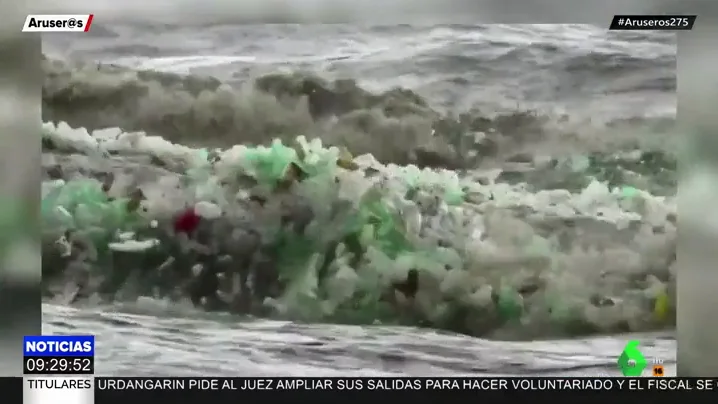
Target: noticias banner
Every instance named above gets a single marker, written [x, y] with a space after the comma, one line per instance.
[59, 355]
[58, 369]
[59, 345]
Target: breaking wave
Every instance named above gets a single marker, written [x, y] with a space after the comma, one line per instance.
[395, 126]
[167, 186]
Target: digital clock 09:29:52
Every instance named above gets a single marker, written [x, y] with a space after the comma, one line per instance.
[58, 365]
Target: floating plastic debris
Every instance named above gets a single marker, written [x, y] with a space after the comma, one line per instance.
[509, 304]
[329, 237]
[629, 192]
[134, 245]
[661, 306]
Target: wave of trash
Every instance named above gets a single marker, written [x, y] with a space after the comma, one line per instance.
[300, 231]
[396, 126]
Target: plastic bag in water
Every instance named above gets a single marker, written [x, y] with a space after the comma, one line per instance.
[628, 192]
[71, 205]
[510, 304]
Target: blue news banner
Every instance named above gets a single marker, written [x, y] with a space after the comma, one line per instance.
[59, 369]
[59, 355]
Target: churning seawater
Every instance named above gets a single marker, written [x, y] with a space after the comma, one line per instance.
[560, 93]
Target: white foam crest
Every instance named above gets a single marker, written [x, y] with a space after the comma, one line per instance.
[113, 140]
[597, 200]
[185, 64]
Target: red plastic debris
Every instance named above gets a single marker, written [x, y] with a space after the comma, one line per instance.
[187, 221]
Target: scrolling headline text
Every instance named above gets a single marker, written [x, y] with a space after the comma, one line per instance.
[386, 383]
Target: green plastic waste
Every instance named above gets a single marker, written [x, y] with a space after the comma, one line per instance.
[414, 178]
[72, 194]
[510, 304]
[201, 168]
[629, 192]
[269, 165]
[454, 196]
[73, 205]
[372, 223]
[83, 206]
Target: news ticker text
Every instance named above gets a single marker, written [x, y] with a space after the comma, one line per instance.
[241, 384]
[106, 390]
[653, 22]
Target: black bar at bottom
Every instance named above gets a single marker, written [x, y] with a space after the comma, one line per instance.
[11, 388]
[231, 390]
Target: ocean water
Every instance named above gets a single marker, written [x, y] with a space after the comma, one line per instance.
[560, 93]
